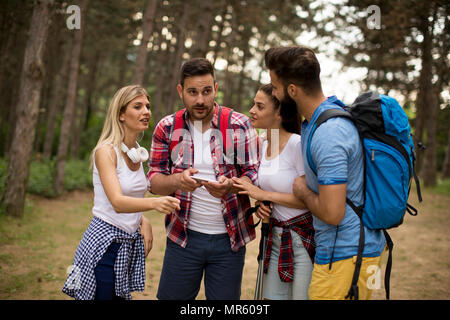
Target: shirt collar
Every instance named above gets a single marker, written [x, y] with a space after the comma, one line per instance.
[331, 100]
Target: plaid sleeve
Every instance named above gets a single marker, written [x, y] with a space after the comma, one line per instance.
[159, 151]
[249, 165]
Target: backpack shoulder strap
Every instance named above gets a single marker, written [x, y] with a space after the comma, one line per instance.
[176, 125]
[224, 123]
[331, 113]
[324, 116]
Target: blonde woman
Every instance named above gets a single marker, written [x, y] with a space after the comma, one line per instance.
[110, 259]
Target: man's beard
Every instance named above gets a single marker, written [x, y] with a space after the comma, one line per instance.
[287, 102]
[207, 111]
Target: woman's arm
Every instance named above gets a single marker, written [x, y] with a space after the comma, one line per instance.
[106, 162]
[284, 199]
[147, 235]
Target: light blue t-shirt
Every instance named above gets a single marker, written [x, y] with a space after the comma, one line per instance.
[337, 154]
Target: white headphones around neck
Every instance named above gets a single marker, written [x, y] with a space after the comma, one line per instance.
[136, 155]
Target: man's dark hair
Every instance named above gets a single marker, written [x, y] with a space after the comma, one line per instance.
[196, 67]
[290, 118]
[297, 65]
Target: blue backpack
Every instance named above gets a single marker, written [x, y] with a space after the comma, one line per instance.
[389, 166]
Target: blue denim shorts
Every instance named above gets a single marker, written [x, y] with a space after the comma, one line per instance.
[273, 287]
[205, 254]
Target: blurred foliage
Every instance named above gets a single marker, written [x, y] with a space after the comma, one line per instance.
[78, 175]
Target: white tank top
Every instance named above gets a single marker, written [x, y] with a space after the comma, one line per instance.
[132, 183]
[205, 215]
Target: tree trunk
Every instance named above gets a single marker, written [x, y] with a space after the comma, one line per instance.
[15, 21]
[229, 75]
[147, 29]
[58, 93]
[424, 95]
[81, 119]
[70, 105]
[429, 164]
[122, 81]
[241, 86]
[9, 114]
[31, 80]
[444, 77]
[446, 165]
[41, 116]
[203, 30]
[158, 108]
[181, 37]
[52, 60]
[219, 34]
[228, 83]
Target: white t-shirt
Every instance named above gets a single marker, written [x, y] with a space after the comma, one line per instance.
[278, 174]
[206, 211]
[132, 183]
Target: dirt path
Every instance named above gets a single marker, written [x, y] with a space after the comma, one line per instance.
[36, 251]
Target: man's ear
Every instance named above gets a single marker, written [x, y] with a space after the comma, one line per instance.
[216, 87]
[292, 90]
[180, 91]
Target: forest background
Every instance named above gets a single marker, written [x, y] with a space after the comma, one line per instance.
[62, 61]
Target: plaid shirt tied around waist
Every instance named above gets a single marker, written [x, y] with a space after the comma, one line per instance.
[245, 144]
[129, 267]
[302, 225]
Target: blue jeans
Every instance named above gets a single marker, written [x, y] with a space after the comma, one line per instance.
[273, 287]
[105, 276]
[210, 254]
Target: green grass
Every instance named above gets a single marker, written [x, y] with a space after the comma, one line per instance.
[443, 187]
[30, 254]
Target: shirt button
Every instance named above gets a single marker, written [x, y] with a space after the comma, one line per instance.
[228, 225]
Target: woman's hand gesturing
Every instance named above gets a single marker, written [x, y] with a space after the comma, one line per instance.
[166, 204]
[248, 189]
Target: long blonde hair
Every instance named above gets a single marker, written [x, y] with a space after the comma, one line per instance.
[113, 132]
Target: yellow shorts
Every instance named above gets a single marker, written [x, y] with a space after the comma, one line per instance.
[334, 284]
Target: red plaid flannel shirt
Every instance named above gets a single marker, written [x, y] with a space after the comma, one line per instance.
[301, 224]
[233, 206]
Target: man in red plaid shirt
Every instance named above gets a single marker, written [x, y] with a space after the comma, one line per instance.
[209, 233]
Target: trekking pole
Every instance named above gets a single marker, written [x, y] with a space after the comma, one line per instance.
[262, 257]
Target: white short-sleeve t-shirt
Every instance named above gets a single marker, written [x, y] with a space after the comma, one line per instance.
[278, 174]
[205, 215]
